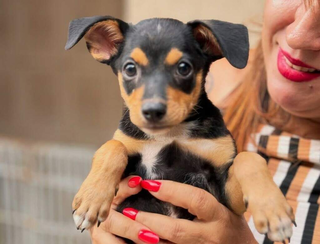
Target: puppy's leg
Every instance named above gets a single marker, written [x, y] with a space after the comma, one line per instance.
[95, 196]
[251, 186]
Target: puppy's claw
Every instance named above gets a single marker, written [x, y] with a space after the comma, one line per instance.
[294, 223]
[289, 240]
[246, 204]
[73, 211]
[83, 230]
[98, 224]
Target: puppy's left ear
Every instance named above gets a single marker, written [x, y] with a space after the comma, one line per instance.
[220, 39]
[103, 34]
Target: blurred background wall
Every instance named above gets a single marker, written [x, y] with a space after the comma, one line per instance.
[47, 93]
[57, 107]
[247, 12]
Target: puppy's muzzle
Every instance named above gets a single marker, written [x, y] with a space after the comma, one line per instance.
[154, 111]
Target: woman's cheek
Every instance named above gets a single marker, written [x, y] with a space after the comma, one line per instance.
[278, 15]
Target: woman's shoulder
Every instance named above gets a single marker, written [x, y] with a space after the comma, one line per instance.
[222, 79]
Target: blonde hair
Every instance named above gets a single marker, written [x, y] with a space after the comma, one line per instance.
[251, 104]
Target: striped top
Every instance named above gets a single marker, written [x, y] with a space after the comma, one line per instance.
[294, 163]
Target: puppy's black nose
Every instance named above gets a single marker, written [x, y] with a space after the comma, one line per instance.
[154, 112]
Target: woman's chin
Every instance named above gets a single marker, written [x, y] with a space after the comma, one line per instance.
[295, 98]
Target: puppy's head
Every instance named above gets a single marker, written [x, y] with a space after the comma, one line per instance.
[160, 63]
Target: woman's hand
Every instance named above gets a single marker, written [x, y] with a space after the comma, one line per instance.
[117, 223]
[214, 223]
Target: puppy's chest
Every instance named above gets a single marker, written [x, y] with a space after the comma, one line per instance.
[170, 159]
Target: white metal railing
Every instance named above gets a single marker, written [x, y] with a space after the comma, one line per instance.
[37, 185]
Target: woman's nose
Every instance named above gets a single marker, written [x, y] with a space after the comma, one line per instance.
[304, 32]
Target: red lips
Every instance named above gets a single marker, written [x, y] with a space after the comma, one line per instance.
[292, 74]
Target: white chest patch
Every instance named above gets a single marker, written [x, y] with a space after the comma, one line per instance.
[149, 156]
[149, 153]
[159, 28]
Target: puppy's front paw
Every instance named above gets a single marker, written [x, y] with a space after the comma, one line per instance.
[93, 201]
[272, 214]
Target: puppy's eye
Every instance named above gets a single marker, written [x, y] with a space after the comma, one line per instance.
[130, 69]
[184, 69]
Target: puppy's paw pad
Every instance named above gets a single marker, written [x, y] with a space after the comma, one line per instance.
[91, 205]
[272, 215]
[277, 225]
[280, 230]
[95, 214]
[78, 219]
[82, 221]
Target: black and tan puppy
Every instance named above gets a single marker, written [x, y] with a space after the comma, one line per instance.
[169, 129]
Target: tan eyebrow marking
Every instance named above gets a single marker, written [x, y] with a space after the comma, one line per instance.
[139, 56]
[173, 56]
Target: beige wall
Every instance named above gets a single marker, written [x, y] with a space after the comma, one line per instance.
[238, 11]
[47, 93]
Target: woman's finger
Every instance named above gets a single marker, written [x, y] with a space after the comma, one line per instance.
[198, 202]
[127, 187]
[99, 236]
[120, 225]
[165, 242]
[173, 230]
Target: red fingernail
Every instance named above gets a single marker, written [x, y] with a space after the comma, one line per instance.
[148, 236]
[134, 181]
[151, 185]
[130, 213]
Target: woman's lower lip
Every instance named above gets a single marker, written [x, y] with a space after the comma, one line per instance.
[291, 74]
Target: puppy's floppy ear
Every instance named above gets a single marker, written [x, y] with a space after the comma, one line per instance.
[103, 35]
[222, 39]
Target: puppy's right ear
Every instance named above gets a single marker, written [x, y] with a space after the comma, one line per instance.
[103, 35]
[220, 39]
